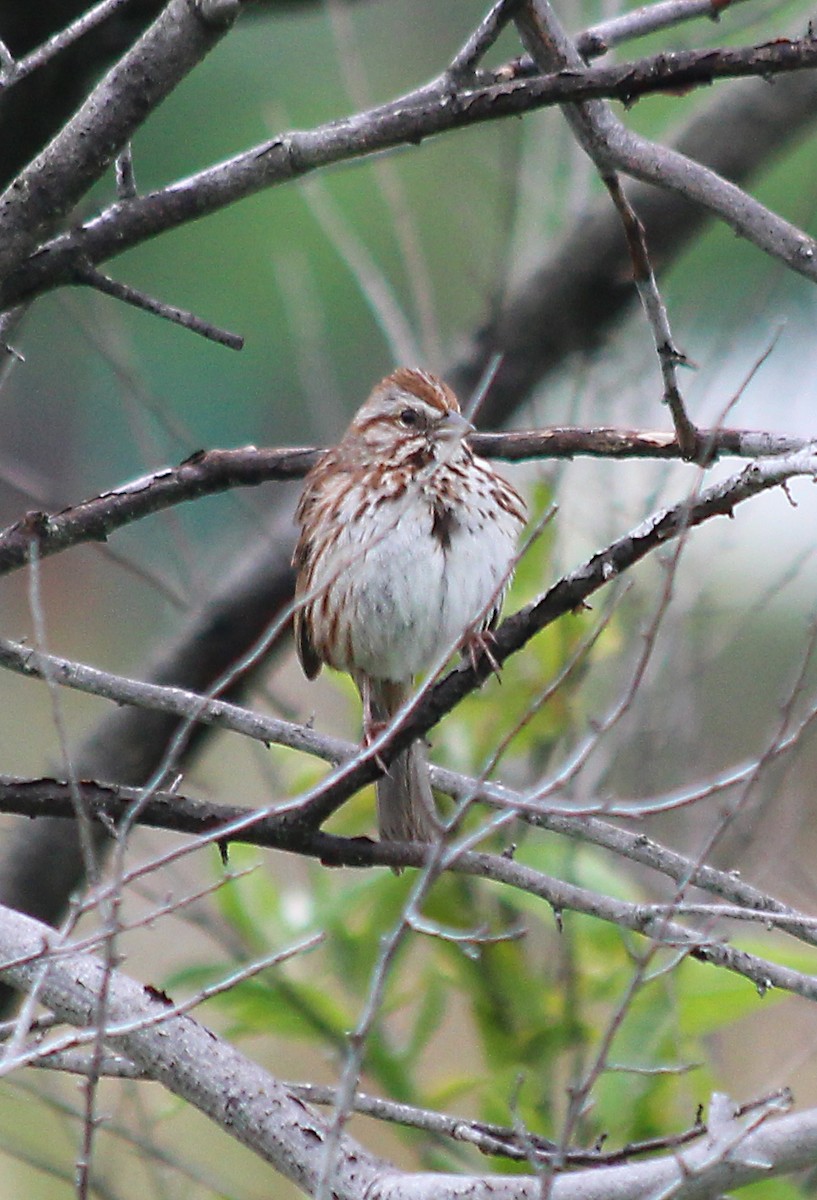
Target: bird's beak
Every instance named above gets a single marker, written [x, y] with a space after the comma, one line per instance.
[454, 427]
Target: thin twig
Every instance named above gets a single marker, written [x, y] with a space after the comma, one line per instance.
[94, 278]
[375, 288]
[14, 71]
[402, 214]
[565, 596]
[598, 133]
[489, 1138]
[482, 39]
[642, 21]
[669, 356]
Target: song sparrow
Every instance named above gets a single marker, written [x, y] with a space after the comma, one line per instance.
[406, 548]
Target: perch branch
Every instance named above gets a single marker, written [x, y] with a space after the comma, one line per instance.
[209, 472]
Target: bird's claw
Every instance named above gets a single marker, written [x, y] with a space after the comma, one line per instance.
[478, 646]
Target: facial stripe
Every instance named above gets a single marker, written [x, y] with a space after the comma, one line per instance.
[425, 386]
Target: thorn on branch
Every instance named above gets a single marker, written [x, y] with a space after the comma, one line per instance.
[218, 13]
[788, 495]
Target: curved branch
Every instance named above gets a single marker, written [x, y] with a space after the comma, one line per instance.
[188, 1059]
[434, 109]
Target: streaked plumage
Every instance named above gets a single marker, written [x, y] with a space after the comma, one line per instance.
[406, 547]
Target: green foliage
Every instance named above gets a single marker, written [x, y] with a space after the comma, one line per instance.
[500, 1012]
[506, 1007]
[497, 1030]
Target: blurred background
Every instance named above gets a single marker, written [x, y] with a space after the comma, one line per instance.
[332, 282]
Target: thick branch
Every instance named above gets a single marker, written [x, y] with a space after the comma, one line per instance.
[262, 1113]
[56, 180]
[188, 1059]
[428, 111]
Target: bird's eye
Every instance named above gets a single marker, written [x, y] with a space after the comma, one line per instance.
[409, 417]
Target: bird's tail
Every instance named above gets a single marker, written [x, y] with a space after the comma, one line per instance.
[405, 804]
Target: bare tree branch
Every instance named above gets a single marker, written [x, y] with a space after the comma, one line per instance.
[642, 21]
[133, 745]
[169, 312]
[14, 71]
[430, 110]
[51, 185]
[262, 1113]
[209, 472]
[176, 812]
[565, 596]
[577, 295]
[188, 1059]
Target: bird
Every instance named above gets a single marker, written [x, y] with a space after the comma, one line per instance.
[407, 544]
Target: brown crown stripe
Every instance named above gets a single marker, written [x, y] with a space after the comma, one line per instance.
[433, 391]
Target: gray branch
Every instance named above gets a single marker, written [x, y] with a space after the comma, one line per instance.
[47, 190]
[575, 297]
[213, 471]
[263, 1114]
[189, 1060]
[428, 111]
[14, 71]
